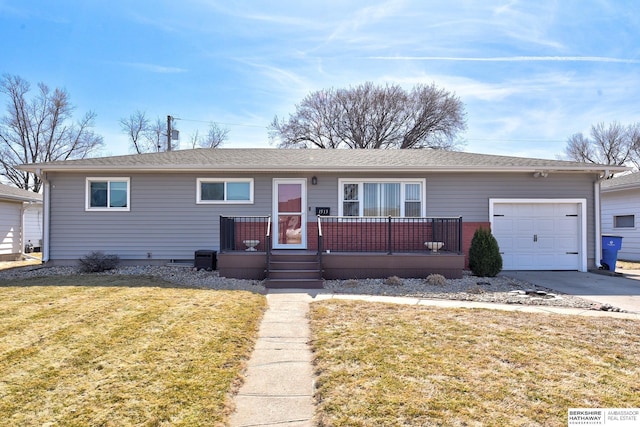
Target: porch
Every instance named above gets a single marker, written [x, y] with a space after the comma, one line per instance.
[342, 248]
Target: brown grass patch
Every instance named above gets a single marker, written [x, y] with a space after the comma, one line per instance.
[628, 265]
[36, 259]
[392, 365]
[139, 352]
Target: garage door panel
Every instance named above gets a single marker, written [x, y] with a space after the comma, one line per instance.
[545, 244]
[523, 225]
[538, 236]
[544, 226]
[506, 226]
[525, 260]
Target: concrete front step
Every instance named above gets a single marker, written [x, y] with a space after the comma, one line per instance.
[294, 283]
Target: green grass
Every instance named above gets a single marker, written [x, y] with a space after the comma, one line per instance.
[114, 350]
[389, 365]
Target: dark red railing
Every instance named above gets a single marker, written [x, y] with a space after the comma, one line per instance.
[388, 234]
[239, 233]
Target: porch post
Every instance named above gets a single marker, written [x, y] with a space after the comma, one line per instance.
[389, 244]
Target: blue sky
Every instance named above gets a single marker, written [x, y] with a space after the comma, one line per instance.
[530, 73]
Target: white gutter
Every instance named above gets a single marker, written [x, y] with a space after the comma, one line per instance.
[598, 218]
[46, 200]
[23, 209]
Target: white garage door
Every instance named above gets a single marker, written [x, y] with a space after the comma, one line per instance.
[538, 236]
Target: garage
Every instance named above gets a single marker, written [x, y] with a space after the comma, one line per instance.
[540, 234]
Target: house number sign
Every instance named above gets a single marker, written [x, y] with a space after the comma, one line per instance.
[323, 211]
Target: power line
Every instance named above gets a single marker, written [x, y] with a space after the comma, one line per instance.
[219, 123]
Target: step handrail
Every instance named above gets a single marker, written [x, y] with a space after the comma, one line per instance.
[320, 244]
[268, 246]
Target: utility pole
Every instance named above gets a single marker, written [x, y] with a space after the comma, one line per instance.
[169, 119]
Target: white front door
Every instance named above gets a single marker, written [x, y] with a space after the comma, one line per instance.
[289, 213]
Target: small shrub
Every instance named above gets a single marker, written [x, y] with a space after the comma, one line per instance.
[436, 280]
[97, 262]
[484, 254]
[393, 281]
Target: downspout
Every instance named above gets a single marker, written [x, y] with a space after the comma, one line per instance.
[22, 243]
[46, 207]
[45, 221]
[598, 217]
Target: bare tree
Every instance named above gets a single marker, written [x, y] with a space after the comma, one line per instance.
[137, 127]
[40, 129]
[369, 116]
[614, 144]
[214, 138]
[633, 133]
[156, 135]
[194, 139]
[146, 136]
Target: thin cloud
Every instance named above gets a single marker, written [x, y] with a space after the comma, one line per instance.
[154, 68]
[509, 59]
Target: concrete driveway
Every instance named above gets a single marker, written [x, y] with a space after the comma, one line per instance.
[619, 291]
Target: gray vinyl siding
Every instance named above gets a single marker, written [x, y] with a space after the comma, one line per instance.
[627, 202]
[468, 194]
[165, 220]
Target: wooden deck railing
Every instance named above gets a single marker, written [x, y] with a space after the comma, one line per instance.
[388, 234]
[243, 233]
[348, 234]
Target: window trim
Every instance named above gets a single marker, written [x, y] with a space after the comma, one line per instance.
[615, 222]
[403, 200]
[225, 181]
[108, 180]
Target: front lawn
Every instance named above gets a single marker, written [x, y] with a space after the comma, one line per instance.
[113, 351]
[395, 365]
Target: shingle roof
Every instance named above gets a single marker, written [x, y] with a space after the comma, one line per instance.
[624, 182]
[12, 193]
[263, 160]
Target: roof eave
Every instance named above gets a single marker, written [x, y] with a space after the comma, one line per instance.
[635, 186]
[19, 199]
[199, 168]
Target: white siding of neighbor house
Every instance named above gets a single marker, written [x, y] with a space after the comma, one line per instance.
[623, 203]
[165, 220]
[10, 224]
[33, 224]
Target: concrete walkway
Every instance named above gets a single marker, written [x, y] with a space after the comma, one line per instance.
[279, 382]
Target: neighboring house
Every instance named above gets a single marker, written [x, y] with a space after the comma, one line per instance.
[20, 222]
[250, 205]
[620, 199]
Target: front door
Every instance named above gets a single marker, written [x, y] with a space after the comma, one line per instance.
[289, 213]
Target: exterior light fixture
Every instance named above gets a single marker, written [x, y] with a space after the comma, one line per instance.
[314, 180]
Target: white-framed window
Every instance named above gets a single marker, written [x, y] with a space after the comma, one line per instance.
[382, 197]
[107, 194]
[224, 190]
[624, 221]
